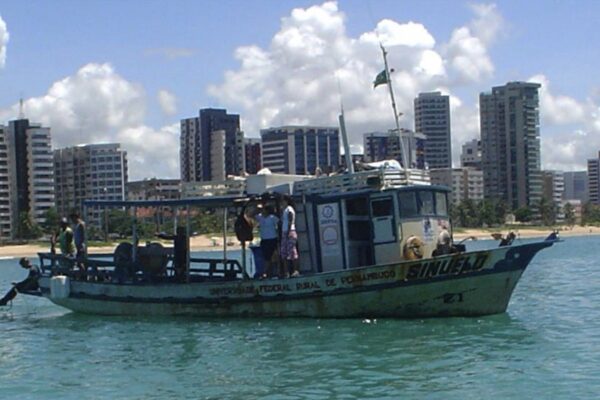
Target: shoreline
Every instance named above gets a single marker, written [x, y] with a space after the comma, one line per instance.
[483, 234]
[208, 243]
[197, 243]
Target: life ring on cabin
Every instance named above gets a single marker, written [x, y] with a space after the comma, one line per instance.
[413, 248]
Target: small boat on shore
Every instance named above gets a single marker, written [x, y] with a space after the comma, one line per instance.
[369, 246]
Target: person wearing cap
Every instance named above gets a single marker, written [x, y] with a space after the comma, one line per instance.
[28, 284]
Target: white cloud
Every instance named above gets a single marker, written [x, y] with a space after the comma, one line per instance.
[467, 51]
[4, 36]
[167, 102]
[170, 53]
[488, 23]
[557, 109]
[95, 105]
[295, 79]
[151, 152]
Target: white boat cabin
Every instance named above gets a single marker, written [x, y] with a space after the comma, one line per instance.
[366, 221]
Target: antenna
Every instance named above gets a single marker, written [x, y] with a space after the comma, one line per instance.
[405, 160]
[348, 154]
[21, 114]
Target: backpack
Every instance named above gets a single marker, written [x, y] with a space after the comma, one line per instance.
[243, 227]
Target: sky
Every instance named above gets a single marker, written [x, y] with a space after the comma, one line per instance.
[128, 71]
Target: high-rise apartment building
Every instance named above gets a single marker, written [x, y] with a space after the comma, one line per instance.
[26, 176]
[553, 190]
[510, 144]
[253, 155]
[432, 118]
[593, 173]
[300, 150]
[6, 221]
[466, 183]
[576, 185]
[471, 154]
[379, 146]
[94, 172]
[206, 142]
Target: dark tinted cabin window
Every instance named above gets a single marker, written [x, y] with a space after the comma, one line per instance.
[359, 230]
[382, 208]
[425, 202]
[441, 207]
[408, 204]
[357, 206]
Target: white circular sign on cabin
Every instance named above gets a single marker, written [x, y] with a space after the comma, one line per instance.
[330, 235]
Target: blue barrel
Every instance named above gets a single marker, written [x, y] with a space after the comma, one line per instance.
[259, 261]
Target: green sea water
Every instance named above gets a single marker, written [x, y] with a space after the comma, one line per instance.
[546, 346]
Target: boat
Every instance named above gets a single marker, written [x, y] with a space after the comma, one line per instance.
[368, 245]
[372, 243]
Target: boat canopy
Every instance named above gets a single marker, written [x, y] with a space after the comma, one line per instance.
[208, 201]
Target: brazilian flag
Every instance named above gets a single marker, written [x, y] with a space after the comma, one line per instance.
[380, 79]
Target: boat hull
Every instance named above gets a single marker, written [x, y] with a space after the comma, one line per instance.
[467, 284]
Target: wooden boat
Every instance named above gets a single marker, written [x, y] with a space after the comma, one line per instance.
[356, 237]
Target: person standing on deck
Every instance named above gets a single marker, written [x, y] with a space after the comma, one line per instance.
[267, 224]
[289, 238]
[64, 237]
[180, 252]
[79, 239]
[29, 283]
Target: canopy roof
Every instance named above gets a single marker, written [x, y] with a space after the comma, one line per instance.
[208, 201]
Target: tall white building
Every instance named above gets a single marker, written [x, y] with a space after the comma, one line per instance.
[92, 171]
[510, 144]
[553, 185]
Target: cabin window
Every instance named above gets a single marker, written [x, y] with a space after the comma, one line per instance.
[441, 207]
[357, 206]
[382, 208]
[359, 230]
[408, 204]
[426, 203]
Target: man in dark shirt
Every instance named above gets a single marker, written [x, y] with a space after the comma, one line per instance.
[29, 283]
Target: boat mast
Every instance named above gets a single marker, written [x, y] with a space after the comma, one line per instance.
[389, 84]
[348, 157]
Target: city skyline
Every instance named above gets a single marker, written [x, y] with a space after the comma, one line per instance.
[132, 80]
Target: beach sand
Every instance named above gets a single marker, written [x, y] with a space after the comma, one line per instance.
[197, 243]
[212, 242]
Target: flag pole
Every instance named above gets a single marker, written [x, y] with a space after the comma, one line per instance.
[405, 160]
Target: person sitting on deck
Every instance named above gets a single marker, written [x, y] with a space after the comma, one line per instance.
[267, 224]
[444, 244]
[180, 251]
[28, 284]
[289, 238]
